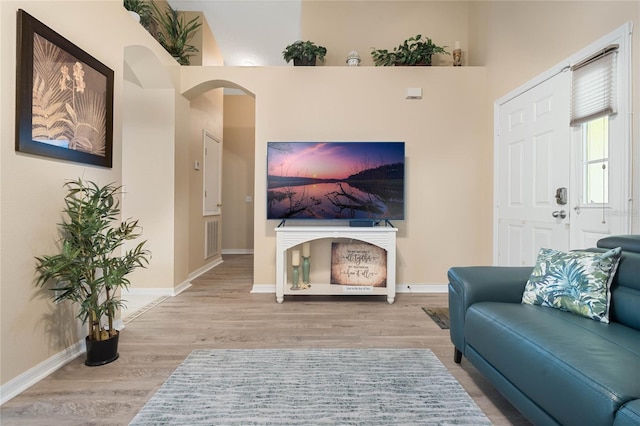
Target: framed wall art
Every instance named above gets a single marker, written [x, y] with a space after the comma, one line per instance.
[64, 97]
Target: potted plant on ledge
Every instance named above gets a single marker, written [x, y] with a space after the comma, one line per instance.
[142, 10]
[304, 53]
[175, 33]
[413, 52]
[90, 269]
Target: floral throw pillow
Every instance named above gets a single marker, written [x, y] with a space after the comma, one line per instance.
[576, 281]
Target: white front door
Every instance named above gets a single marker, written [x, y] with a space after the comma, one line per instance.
[532, 166]
[537, 152]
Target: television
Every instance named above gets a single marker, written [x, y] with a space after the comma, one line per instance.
[355, 181]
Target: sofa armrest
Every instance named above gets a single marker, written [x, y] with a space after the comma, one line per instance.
[489, 283]
[472, 284]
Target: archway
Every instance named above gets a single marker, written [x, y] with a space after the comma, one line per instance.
[236, 221]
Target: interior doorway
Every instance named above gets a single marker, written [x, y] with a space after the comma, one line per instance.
[238, 173]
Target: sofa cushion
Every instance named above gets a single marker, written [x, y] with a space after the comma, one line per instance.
[576, 281]
[629, 414]
[580, 371]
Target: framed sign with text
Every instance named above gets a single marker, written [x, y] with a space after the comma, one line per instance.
[358, 264]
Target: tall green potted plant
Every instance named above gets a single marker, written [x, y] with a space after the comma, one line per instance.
[91, 267]
[175, 33]
[141, 8]
[304, 53]
[412, 52]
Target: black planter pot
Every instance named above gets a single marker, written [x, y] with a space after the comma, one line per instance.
[304, 62]
[101, 352]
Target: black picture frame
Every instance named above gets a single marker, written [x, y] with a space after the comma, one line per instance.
[64, 97]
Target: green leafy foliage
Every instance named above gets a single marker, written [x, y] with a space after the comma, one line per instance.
[576, 281]
[306, 51]
[175, 33]
[143, 9]
[413, 51]
[89, 269]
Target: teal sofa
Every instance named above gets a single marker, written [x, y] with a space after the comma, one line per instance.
[555, 367]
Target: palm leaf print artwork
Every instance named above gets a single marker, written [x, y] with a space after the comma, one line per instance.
[67, 110]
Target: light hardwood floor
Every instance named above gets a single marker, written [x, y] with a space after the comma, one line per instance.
[219, 311]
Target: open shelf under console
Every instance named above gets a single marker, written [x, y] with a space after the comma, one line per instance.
[291, 236]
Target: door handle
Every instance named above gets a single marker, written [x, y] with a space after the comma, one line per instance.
[559, 213]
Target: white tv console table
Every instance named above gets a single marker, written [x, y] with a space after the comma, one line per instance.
[290, 236]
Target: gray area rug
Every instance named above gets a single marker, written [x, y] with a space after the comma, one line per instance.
[309, 387]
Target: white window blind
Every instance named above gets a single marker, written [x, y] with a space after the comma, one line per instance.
[593, 86]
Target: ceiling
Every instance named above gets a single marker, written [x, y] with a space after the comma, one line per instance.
[249, 32]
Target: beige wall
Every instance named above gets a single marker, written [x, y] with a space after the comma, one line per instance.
[238, 173]
[448, 134]
[448, 170]
[518, 40]
[206, 113]
[32, 187]
[151, 157]
[342, 26]
[205, 42]
[148, 177]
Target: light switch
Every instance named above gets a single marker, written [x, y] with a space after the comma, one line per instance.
[196, 165]
[248, 199]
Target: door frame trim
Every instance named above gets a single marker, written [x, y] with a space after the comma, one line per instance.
[623, 33]
[536, 81]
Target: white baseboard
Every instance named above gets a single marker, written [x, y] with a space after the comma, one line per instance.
[263, 288]
[237, 251]
[181, 287]
[422, 288]
[195, 274]
[118, 324]
[161, 291]
[147, 292]
[400, 288]
[32, 376]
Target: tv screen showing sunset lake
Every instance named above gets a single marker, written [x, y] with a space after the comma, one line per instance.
[335, 180]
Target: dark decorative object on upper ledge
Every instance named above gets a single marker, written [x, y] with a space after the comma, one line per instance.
[64, 97]
[175, 33]
[93, 264]
[413, 52]
[304, 53]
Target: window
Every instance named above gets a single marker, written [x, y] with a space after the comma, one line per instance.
[593, 86]
[595, 148]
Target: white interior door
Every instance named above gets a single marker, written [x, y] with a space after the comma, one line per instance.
[532, 164]
[212, 175]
